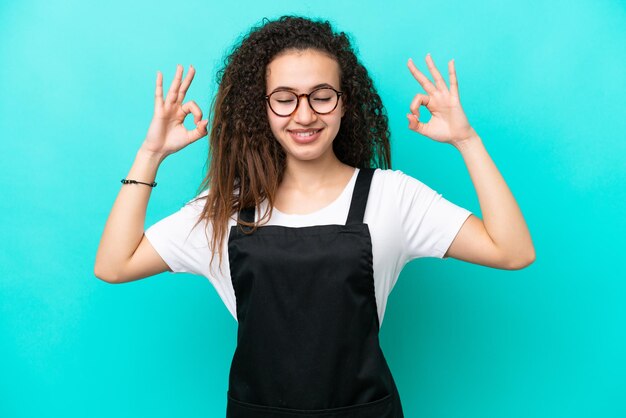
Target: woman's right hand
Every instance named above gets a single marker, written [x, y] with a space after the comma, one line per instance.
[166, 133]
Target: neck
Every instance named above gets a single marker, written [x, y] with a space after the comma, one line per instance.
[310, 175]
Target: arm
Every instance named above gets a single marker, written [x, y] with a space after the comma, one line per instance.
[124, 253]
[502, 239]
[123, 249]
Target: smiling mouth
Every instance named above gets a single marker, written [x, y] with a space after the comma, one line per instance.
[305, 134]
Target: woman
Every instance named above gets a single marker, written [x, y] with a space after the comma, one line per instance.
[309, 239]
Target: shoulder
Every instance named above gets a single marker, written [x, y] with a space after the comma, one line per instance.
[391, 191]
[195, 206]
[391, 182]
[391, 175]
[199, 201]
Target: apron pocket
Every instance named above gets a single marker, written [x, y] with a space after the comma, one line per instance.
[380, 408]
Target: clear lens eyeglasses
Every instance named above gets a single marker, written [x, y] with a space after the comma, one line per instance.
[284, 103]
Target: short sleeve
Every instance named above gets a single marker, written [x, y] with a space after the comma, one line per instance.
[429, 222]
[181, 245]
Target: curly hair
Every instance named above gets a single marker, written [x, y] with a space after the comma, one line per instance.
[246, 162]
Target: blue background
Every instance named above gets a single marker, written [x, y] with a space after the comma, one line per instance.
[543, 83]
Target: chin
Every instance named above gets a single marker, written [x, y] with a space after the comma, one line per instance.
[305, 155]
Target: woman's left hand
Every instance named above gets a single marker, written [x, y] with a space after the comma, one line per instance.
[448, 122]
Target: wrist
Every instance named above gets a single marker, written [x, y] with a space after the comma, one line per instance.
[150, 156]
[466, 142]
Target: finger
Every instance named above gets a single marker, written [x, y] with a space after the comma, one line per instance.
[454, 84]
[415, 124]
[421, 78]
[419, 100]
[199, 132]
[158, 93]
[192, 107]
[173, 91]
[439, 81]
[186, 82]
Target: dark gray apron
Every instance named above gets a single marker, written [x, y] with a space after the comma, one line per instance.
[307, 341]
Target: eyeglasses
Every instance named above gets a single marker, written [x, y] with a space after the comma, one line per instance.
[284, 103]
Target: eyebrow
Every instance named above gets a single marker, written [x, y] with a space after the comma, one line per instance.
[280, 88]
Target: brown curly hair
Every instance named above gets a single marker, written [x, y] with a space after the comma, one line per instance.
[246, 162]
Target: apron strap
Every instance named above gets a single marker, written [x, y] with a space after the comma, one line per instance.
[247, 214]
[359, 196]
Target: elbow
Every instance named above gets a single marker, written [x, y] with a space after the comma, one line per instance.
[522, 260]
[104, 276]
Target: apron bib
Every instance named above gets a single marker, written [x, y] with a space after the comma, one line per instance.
[307, 338]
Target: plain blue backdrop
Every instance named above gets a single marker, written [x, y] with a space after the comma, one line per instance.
[543, 83]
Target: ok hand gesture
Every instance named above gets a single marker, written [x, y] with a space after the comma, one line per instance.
[448, 122]
[166, 133]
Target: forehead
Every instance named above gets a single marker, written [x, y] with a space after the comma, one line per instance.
[301, 70]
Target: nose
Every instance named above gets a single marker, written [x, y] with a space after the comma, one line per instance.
[304, 115]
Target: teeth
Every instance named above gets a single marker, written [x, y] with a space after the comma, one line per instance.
[309, 133]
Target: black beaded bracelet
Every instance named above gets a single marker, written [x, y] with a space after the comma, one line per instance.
[127, 181]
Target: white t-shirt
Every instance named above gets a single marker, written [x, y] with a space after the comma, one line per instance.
[406, 219]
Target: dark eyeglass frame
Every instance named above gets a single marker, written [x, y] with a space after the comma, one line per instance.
[308, 99]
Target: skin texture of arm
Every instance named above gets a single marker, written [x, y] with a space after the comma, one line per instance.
[123, 254]
[501, 239]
